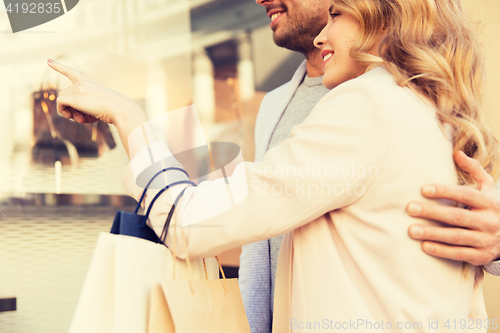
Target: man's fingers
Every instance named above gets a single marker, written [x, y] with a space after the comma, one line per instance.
[463, 194]
[471, 255]
[69, 72]
[451, 236]
[454, 216]
[475, 170]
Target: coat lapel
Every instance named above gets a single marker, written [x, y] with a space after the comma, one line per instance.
[274, 108]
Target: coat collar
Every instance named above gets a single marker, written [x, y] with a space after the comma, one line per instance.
[277, 107]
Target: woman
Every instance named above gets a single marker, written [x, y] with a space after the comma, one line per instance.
[406, 78]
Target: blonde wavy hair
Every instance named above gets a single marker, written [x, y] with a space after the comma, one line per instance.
[431, 47]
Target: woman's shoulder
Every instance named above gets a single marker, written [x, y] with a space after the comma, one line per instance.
[375, 80]
[370, 91]
[375, 90]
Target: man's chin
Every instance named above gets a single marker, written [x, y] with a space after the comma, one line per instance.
[281, 39]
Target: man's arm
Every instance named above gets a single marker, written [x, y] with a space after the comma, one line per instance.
[473, 235]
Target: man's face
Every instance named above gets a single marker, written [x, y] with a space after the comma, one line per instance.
[296, 23]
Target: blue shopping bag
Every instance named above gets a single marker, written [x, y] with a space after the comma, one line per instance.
[135, 225]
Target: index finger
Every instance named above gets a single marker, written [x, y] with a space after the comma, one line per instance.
[69, 72]
[459, 193]
[475, 170]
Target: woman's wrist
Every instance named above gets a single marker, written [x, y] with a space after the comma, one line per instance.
[128, 118]
[124, 110]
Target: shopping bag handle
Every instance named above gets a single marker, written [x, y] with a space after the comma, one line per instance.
[221, 270]
[164, 232]
[152, 179]
[163, 238]
[145, 218]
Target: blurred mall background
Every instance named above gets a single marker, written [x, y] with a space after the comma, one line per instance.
[58, 191]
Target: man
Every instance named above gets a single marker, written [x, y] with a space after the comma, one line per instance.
[475, 235]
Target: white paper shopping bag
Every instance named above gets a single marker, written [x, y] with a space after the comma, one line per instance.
[116, 294]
